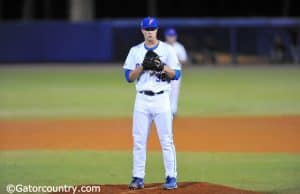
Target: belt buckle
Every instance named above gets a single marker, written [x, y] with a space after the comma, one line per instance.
[149, 93]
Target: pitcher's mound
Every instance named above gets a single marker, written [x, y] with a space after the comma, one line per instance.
[183, 188]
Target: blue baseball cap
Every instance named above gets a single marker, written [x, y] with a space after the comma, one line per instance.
[149, 22]
[170, 32]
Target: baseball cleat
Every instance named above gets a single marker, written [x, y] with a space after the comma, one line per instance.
[136, 183]
[170, 183]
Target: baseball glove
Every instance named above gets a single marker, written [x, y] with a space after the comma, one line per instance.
[152, 62]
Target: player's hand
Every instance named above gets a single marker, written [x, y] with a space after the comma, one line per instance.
[169, 72]
[160, 66]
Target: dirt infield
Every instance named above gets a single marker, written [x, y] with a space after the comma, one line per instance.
[155, 188]
[230, 134]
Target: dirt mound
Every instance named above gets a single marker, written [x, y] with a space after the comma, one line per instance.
[185, 187]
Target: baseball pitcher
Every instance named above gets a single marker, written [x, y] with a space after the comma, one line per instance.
[152, 64]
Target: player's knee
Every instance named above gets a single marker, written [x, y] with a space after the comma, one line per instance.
[139, 144]
[166, 143]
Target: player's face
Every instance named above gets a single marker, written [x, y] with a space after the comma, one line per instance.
[150, 34]
[171, 39]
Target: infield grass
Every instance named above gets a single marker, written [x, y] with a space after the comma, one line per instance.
[102, 92]
[275, 173]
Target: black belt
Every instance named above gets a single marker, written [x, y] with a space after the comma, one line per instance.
[150, 93]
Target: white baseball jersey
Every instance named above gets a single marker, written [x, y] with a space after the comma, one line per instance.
[148, 80]
[180, 51]
[175, 84]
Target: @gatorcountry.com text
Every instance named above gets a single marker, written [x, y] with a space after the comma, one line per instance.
[20, 188]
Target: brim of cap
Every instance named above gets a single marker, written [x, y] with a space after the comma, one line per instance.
[150, 27]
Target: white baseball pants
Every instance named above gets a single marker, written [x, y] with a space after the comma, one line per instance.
[147, 109]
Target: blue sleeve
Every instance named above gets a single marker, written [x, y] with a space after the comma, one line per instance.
[127, 73]
[177, 75]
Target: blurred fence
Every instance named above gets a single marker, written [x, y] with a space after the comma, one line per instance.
[55, 41]
[229, 40]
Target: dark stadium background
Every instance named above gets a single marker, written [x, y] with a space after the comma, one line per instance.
[213, 31]
[59, 9]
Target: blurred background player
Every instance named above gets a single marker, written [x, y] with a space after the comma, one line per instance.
[171, 39]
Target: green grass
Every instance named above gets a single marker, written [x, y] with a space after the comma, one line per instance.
[103, 92]
[261, 172]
